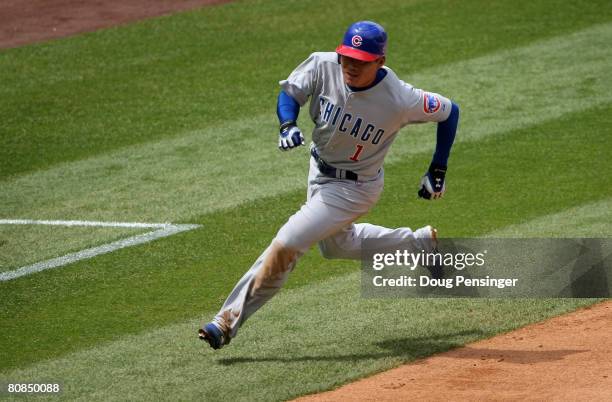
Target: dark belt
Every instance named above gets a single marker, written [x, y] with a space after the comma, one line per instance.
[331, 171]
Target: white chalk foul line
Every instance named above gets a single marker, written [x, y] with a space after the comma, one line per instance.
[84, 223]
[164, 230]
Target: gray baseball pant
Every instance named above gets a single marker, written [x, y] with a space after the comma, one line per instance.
[326, 218]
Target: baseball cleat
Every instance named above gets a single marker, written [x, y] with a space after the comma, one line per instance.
[437, 269]
[213, 335]
[434, 238]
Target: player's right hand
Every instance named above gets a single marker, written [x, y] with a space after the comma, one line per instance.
[290, 136]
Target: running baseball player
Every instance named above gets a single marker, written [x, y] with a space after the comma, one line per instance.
[358, 106]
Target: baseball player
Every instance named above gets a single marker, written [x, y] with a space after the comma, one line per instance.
[358, 106]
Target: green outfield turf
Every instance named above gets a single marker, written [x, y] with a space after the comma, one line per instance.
[173, 120]
[29, 244]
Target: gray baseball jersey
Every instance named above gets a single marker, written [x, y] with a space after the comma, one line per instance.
[354, 129]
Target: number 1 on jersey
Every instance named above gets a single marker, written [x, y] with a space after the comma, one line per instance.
[355, 157]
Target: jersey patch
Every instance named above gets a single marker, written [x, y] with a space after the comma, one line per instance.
[431, 103]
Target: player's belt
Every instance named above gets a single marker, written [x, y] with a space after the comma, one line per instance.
[331, 171]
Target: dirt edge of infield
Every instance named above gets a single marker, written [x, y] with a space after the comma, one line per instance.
[42, 20]
[568, 357]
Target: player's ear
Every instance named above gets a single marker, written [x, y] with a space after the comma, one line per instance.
[381, 61]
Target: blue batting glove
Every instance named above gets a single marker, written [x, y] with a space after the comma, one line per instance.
[290, 136]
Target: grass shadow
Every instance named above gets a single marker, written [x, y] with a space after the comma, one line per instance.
[407, 348]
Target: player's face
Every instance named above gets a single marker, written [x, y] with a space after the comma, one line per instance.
[359, 73]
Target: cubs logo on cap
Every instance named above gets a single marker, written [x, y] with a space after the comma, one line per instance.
[364, 40]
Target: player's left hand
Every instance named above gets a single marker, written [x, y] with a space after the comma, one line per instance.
[290, 136]
[432, 183]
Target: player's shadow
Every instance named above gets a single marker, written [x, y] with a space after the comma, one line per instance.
[408, 348]
[512, 356]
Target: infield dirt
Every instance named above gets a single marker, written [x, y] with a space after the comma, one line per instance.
[31, 21]
[565, 358]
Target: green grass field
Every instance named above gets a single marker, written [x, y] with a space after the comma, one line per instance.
[173, 120]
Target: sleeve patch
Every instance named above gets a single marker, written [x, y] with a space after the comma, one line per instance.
[431, 103]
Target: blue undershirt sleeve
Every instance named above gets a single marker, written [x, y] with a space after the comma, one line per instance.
[446, 136]
[287, 108]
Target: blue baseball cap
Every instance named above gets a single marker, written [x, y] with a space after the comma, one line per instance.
[364, 40]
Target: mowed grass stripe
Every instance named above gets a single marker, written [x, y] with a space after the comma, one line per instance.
[22, 245]
[71, 258]
[591, 220]
[495, 182]
[80, 96]
[322, 334]
[226, 165]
